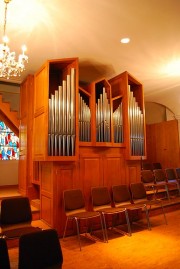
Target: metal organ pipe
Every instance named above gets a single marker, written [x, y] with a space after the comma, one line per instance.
[118, 124]
[61, 130]
[103, 115]
[84, 120]
[136, 121]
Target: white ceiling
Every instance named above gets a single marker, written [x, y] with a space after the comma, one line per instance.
[91, 30]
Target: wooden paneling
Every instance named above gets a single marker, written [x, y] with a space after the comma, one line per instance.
[46, 209]
[41, 90]
[65, 178]
[113, 170]
[46, 178]
[163, 143]
[39, 151]
[26, 134]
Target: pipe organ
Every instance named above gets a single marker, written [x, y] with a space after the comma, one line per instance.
[84, 120]
[136, 121]
[103, 118]
[61, 128]
[118, 124]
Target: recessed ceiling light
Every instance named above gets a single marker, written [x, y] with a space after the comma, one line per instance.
[125, 40]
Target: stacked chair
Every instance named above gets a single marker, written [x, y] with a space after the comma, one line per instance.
[162, 179]
[75, 210]
[102, 203]
[154, 182]
[139, 197]
[122, 197]
[172, 178]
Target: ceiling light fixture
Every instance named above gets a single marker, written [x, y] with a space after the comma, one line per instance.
[9, 67]
[125, 40]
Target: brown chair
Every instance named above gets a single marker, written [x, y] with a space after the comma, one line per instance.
[156, 165]
[177, 172]
[172, 178]
[147, 166]
[139, 197]
[4, 255]
[16, 217]
[101, 201]
[161, 181]
[147, 178]
[122, 197]
[40, 250]
[74, 207]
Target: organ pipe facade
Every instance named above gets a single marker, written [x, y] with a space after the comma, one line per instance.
[61, 123]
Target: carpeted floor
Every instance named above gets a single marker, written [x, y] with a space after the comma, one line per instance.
[158, 248]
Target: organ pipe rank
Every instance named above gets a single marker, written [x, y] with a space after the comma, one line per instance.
[61, 129]
[103, 116]
[136, 126]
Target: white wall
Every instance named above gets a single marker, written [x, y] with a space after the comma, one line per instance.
[9, 172]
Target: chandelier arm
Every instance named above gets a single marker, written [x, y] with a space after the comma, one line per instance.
[5, 17]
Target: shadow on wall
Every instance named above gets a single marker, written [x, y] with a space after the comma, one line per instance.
[156, 113]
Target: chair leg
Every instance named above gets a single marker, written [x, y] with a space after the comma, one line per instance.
[128, 222]
[105, 227]
[78, 234]
[167, 191]
[164, 214]
[102, 227]
[147, 217]
[64, 234]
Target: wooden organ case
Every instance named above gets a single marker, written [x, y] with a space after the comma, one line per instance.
[83, 136]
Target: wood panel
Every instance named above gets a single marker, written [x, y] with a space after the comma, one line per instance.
[113, 170]
[41, 90]
[163, 143]
[39, 150]
[65, 178]
[46, 178]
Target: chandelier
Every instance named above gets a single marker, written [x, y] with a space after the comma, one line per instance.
[9, 67]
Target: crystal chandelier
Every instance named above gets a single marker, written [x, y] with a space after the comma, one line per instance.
[9, 67]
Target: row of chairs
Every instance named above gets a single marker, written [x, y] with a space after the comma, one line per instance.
[161, 179]
[124, 199]
[37, 250]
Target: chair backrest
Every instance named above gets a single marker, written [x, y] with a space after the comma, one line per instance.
[40, 250]
[15, 210]
[4, 255]
[170, 174]
[147, 166]
[138, 191]
[121, 194]
[73, 200]
[178, 172]
[156, 166]
[159, 175]
[100, 197]
[147, 176]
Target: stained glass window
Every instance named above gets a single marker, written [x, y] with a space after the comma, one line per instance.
[9, 143]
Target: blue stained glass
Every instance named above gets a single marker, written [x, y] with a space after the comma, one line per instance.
[9, 143]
